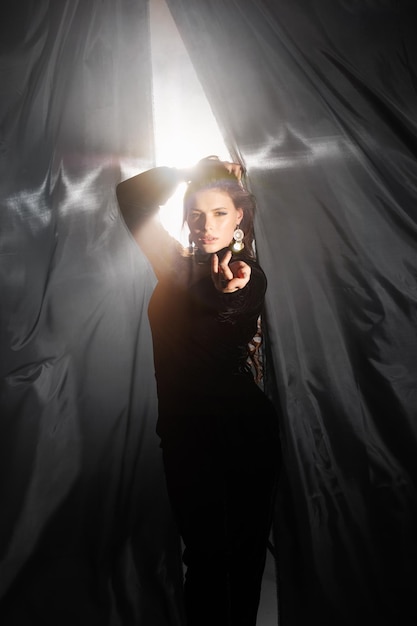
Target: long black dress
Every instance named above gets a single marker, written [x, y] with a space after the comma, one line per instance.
[218, 430]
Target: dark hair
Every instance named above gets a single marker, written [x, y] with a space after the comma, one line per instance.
[210, 174]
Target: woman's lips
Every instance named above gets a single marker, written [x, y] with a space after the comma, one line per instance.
[207, 240]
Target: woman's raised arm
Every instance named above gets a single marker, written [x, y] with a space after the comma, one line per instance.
[139, 199]
[141, 196]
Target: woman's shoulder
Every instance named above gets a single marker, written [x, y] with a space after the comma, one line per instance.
[165, 253]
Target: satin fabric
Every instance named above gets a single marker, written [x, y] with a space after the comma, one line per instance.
[318, 101]
[86, 532]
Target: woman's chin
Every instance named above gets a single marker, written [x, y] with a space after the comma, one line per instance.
[210, 248]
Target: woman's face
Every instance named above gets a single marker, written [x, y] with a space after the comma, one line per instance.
[212, 219]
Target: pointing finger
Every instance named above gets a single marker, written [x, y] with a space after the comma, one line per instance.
[215, 264]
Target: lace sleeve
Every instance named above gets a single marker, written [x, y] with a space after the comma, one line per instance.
[249, 300]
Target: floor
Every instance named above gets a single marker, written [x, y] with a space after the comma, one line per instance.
[268, 613]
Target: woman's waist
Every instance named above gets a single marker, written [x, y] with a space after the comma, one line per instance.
[198, 378]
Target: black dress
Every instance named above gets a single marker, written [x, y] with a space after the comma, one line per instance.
[218, 429]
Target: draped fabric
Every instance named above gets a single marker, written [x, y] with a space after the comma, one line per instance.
[85, 528]
[319, 101]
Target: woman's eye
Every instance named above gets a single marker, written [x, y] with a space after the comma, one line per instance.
[221, 213]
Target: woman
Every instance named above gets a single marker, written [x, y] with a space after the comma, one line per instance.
[218, 430]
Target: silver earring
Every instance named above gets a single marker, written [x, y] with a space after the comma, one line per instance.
[191, 245]
[237, 244]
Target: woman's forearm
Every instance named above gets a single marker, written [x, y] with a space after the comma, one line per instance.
[141, 195]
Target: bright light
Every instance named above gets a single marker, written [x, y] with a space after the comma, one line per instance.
[185, 129]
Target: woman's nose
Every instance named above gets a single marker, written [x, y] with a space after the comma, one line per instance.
[206, 222]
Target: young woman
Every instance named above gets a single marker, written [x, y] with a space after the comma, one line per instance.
[218, 430]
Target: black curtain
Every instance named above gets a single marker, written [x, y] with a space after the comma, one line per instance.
[86, 535]
[319, 101]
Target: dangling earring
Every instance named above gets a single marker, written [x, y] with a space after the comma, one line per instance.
[191, 246]
[237, 243]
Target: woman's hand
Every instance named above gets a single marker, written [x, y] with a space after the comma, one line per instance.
[233, 168]
[229, 277]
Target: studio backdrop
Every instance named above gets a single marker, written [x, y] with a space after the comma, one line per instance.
[318, 100]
